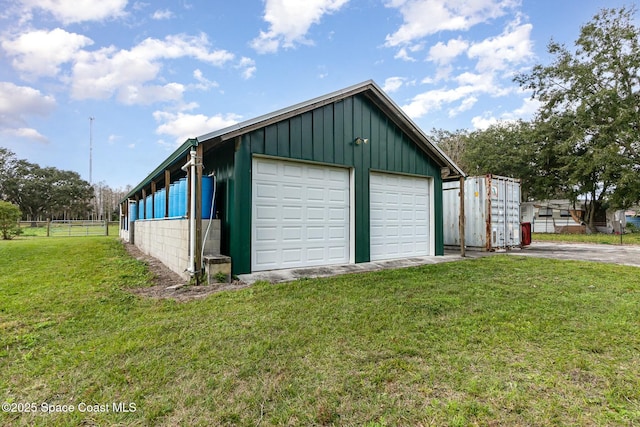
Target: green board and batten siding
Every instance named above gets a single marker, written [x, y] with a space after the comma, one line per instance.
[325, 135]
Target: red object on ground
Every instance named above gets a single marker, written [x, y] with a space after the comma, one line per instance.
[525, 227]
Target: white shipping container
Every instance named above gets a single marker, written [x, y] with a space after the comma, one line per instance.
[492, 212]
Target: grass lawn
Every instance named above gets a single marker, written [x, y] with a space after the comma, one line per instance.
[609, 239]
[501, 340]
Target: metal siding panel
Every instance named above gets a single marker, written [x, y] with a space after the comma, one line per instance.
[347, 122]
[220, 161]
[451, 213]
[328, 134]
[283, 139]
[318, 135]
[362, 187]
[338, 132]
[271, 140]
[384, 138]
[295, 132]
[257, 141]
[398, 145]
[307, 135]
[438, 216]
[406, 154]
[240, 229]
[374, 141]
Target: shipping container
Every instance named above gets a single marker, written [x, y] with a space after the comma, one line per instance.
[492, 213]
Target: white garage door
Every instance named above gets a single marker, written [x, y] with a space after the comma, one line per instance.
[399, 218]
[300, 215]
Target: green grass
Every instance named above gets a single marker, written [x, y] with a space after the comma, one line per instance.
[501, 340]
[608, 239]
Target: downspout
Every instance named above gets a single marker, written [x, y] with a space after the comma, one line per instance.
[192, 210]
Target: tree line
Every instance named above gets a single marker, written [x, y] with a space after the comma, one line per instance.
[43, 193]
[583, 143]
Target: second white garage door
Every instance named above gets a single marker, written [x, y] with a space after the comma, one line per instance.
[400, 220]
[300, 215]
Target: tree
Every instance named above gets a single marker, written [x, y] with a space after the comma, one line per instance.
[590, 109]
[454, 144]
[7, 166]
[509, 149]
[9, 216]
[43, 191]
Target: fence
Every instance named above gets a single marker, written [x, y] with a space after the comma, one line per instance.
[66, 228]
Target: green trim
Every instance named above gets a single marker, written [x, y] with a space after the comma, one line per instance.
[170, 161]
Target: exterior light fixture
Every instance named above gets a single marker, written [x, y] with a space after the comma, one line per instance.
[360, 140]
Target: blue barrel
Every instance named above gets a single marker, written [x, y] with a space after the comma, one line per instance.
[155, 204]
[141, 209]
[148, 206]
[207, 196]
[182, 197]
[163, 207]
[162, 200]
[133, 212]
[172, 200]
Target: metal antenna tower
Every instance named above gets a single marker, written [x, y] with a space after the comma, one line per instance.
[91, 119]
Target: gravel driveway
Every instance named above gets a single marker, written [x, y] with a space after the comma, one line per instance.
[613, 254]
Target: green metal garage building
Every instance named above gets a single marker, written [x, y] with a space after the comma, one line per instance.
[343, 178]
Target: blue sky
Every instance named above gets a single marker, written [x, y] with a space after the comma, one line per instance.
[155, 73]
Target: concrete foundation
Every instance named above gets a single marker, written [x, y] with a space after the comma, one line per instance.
[168, 241]
[217, 268]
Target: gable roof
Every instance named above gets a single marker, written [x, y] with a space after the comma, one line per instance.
[368, 89]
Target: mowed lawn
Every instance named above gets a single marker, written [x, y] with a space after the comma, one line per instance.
[501, 340]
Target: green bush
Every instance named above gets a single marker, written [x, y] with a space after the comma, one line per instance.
[9, 216]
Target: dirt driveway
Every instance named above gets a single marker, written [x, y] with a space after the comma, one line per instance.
[613, 254]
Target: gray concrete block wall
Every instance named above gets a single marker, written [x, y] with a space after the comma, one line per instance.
[168, 241]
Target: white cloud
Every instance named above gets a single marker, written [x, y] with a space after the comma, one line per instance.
[24, 133]
[432, 100]
[470, 86]
[204, 83]
[484, 121]
[443, 54]
[511, 47]
[107, 71]
[248, 67]
[160, 15]
[528, 108]
[19, 102]
[404, 55]
[465, 105]
[150, 94]
[392, 84]
[41, 53]
[290, 20]
[182, 126]
[426, 17]
[73, 11]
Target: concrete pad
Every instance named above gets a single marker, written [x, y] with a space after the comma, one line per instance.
[611, 254]
[623, 255]
[287, 275]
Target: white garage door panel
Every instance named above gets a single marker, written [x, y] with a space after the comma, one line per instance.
[399, 216]
[300, 215]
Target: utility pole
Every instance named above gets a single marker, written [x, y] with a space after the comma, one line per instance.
[91, 119]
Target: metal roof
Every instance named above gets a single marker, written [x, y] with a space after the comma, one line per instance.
[368, 88]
